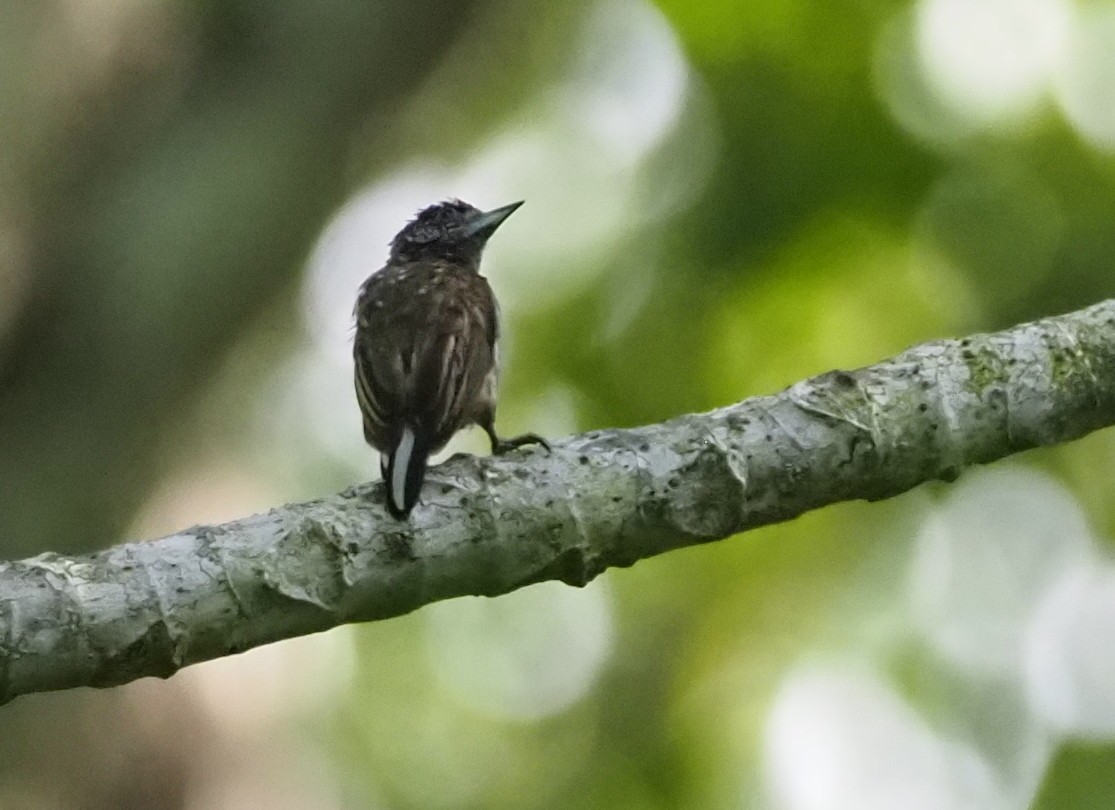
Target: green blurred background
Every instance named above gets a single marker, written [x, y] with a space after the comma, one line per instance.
[722, 197]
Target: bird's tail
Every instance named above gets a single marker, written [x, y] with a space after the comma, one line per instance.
[406, 468]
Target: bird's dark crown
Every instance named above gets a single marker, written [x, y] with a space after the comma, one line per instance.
[452, 229]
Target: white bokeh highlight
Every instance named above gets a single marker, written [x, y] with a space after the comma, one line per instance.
[527, 655]
[1070, 657]
[1009, 607]
[999, 539]
[253, 692]
[629, 81]
[1085, 84]
[992, 60]
[839, 738]
[952, 70]
[905, 90]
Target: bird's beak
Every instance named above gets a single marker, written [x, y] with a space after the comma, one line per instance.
[485, 224]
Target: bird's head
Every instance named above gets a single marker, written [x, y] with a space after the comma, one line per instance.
[448, 230]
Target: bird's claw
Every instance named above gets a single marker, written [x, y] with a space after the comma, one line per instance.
[501, 446]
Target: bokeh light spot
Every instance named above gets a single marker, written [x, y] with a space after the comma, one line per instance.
[1086, 82]
[992, 60]
[999, 539]
[841, 739]
[1070, 660]
[528, 654]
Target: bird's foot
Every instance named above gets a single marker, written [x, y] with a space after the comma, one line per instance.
[501, 446]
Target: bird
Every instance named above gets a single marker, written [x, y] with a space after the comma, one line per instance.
[426, 345]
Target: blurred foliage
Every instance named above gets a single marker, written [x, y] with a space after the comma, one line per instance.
[1080, 777]
[723, 197]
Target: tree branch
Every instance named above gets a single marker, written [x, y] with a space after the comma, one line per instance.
[606, 498]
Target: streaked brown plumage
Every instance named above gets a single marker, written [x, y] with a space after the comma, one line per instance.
[426, 348]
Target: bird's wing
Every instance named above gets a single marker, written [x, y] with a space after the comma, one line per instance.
[422, 357]
[382, 387]
[455, 360]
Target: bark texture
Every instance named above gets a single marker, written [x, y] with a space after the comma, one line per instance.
[606, 498]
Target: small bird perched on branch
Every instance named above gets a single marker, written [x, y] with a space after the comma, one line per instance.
[427, 345]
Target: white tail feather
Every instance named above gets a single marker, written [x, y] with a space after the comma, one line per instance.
[401, 463]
